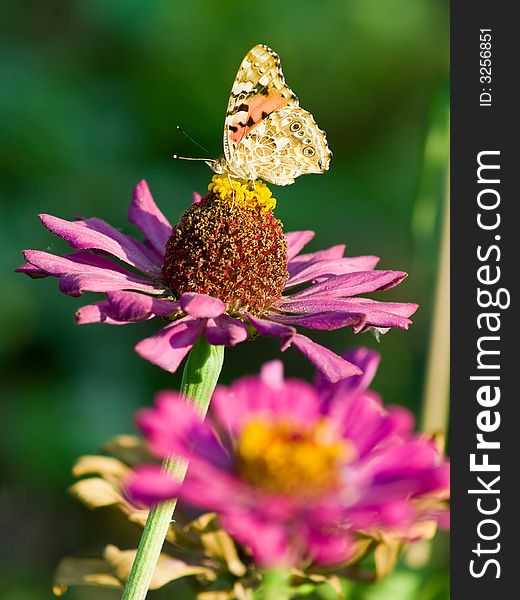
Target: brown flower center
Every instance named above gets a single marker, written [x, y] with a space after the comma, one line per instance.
[230, 251]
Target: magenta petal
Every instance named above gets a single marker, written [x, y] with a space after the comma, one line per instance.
[352, 284]
[365, 421]
[77, 277]
[368, 361]
[268, 540]
[91, 313]
[296, 240]
[201, 305]
[147, 217]
[444, 520]
[323, 320]
[325, 269]
[121, 308]
[383, 315]
[225, 331]
[332, 366]
[372, 307]
[271, 373]
[130, 306]
[302, 260]
[292, 399]
[173, 426]
[96, 313]
[168, 347]
[265, 327]
[405, 461]
[150, 485]
[374, 313]
[196, 198]
[330, 548]
[31, 271]
[88, 258]
[97, 234]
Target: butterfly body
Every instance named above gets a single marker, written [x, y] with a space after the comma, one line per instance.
[267, 134]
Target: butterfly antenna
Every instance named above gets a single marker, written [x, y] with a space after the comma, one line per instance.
[177, 157]
[188, 136]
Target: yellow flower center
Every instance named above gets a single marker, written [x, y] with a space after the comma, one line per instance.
[242, 193]
[285, 458]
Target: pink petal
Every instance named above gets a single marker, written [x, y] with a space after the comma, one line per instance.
[268, 540]
[336, 251]
[97, 234]
[323, 320]
[332, 366]
[225, 331]
[374, 313]
[292, 399]
[266, 327]
[367, 360]
[149, 485]
[271, 374]
[85, 257]
[202, 305]
[173, 426]
[268, 396]
[96, 313]
[365, 422]
[330, 548]
[31, 271]
[401, 309]
[352, 284]
[77, 277]
[130, 306]
[147, 217]
[168, 347]
[326, 269]
[296, 240]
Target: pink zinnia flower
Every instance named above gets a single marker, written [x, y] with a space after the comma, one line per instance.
[225, 271]
[294, 471]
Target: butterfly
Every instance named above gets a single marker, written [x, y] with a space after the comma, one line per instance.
[267, 134]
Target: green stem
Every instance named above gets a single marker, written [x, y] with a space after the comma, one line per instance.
[275, 584]
[437, 388]
[198, 382]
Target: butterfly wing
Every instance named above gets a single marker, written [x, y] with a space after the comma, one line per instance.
[267, 134]
[259, 90]
[285, 145]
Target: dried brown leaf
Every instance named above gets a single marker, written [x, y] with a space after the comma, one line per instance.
[95, 492]
[83, 571]
[107, 467]
[167, 569]
[129, 449]
[386, 554]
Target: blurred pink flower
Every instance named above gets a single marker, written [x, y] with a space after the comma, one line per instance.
[295, 471]
[320, 290]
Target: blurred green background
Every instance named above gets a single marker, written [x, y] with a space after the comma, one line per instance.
[91, 93]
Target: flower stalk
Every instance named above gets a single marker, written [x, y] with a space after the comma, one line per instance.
[275, 584]
[199, 379]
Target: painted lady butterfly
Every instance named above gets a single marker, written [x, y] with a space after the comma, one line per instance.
[267, 134]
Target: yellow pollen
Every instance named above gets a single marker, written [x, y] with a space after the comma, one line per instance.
[285, 458]
[242, 193]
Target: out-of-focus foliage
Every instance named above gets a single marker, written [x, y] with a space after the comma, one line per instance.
[91, 95]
